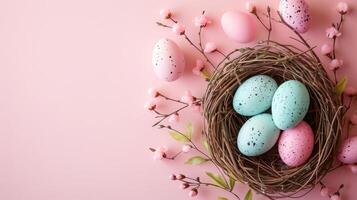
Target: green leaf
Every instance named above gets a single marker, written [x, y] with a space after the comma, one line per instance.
[189, 130]
[341, 86]
[217, 179]
[249, 195]
[178, 136]
[206, 74]
[222, 198]
[205, 144]
[196, 160]
[232, 182]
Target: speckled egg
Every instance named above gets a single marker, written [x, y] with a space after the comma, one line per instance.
[348, 152]
[290, 104]
[296, 144]
[239, 26]
[257, 135]
[296, 14]
[254, 95]
[168, 60]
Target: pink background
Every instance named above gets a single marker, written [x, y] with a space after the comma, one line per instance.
[73, 81]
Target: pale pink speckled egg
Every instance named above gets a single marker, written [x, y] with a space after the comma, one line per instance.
[168, 60]
[348, 152]
[296, 14]
[239, 26]
[296, 144]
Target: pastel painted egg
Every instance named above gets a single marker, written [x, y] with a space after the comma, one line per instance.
[254, 95]
[348, 152]
[257, 135]
[290, 104]
[168, 60]
[296, 14]
[296, 144]
[239, 26]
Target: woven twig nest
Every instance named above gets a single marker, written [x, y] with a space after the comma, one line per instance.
[267, 174]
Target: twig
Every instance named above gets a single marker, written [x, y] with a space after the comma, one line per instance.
[194, 146]
[267, 27]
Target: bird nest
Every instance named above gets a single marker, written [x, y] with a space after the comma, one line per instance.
[267, 174]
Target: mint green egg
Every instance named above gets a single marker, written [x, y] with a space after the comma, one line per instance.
[257, 135]
[290, 104]
[254, 96]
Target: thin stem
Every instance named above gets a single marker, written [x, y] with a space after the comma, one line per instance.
[334, 47]
[227, 56]
[301, 38]
[163, 25]
[220, 52]
[170, 99]
[175, 156]
[200, 38]
[164, 116]
[339, 26]
[270, 27]
[267, 27]
[199, 49]
[174, 21]
[198, 183]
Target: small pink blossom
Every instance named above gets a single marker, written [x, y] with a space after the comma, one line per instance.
[180, 177]
[184, 186]
[150, 105]
[153, 93]
[188, 98]
[160, 153]
[198, 68]
[353, 168]
[342, 8]
[202, 21]
[335, 197]
[326, 49]
[165, 13]
[250, 7]
[210, 47]
[325, 192]
[193, 192]
[174, 118]
[332, 32]
[350, 91]
[353, 119]
[178, 29]
[335, 64]
[186, 148]
[172, 177]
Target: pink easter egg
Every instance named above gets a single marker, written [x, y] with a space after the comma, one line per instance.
[348, 151]
[239, 26]
[296, 144]
[168, 60]
[296, 14]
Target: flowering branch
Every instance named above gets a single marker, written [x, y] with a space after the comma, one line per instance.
[252, 9]
[220, 181]
[186, 101]
[196, 183]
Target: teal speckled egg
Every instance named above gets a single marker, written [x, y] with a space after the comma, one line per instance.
[257, 135]
[290, 104]
[254, 95]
